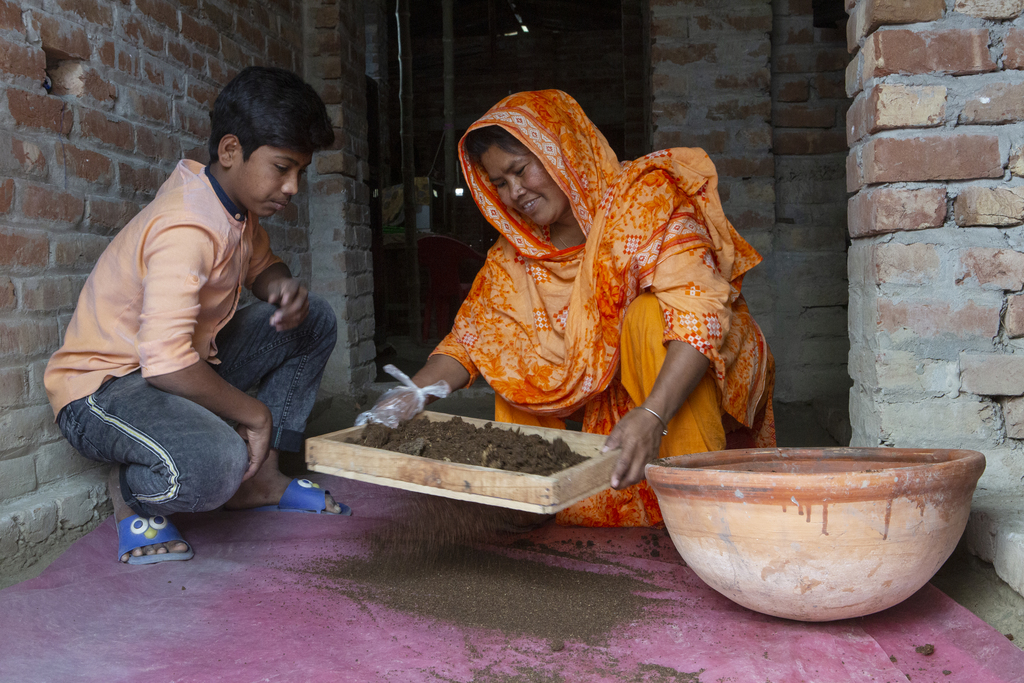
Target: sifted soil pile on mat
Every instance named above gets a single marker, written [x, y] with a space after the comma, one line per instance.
[458, 441]
[432, 561]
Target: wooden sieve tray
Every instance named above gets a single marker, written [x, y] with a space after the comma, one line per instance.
[334, 454]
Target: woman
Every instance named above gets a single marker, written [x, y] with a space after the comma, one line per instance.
[612, 297]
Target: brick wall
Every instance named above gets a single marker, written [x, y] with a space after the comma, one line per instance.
[937, 263]
[132, 84]
[807, 268]
[339, 221]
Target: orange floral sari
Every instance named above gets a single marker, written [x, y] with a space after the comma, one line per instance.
[543, 325]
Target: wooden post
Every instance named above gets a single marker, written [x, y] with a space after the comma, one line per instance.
[448, 42]
[412, 272]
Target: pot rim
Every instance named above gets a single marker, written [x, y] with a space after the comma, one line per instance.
[955, 471]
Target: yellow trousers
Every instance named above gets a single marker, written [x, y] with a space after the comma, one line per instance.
[696, 428]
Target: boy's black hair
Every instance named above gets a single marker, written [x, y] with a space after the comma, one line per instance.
[479, 140]
[265, 105]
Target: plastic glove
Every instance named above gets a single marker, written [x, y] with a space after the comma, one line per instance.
[401, 403]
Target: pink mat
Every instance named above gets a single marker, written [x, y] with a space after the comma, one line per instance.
[239, 612]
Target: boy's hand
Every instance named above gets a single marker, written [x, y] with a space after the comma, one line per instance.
[292, 301]
[257, 439]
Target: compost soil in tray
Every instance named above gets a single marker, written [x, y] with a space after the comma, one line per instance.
[458, 441]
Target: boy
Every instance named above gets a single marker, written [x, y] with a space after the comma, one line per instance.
[157, 357]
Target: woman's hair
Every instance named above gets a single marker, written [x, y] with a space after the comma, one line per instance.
[479, 140]
[270, 106]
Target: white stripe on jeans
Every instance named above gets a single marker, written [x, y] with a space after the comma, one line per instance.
[168, 494]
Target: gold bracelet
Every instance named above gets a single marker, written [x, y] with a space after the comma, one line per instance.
[664, 432]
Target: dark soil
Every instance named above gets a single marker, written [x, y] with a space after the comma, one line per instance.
[458, 441]
[438, 561]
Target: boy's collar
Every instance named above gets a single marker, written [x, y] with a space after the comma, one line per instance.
[231, 207]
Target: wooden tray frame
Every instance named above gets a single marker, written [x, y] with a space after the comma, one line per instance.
[331, 454]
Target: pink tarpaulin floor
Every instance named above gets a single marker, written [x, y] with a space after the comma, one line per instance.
[242, 610]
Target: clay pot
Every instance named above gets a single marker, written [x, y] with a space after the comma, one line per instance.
[816, 534]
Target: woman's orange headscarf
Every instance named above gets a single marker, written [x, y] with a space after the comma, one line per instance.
[542, 324]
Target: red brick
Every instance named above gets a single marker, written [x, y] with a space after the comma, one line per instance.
[250, 33]
[19, 59]
[200, 153]
[804, 116]
[936, 319]
[1013, 49]
[223, 21]
[139, 33]
[48, 293]
[153, 106]
[146, 180]
[954, 51]
[126, 62]
[8, 302]
[263, 17]
[220, 72]
[830, 86]
[39, 111]
[999, 10]
[234, 53]
[97, 125]
[794, 90]
[180, 52]
[739, 110]
[757, 79]
[6, 195]
[61, 39]
[883, 210]
[680, 54]
[280, 53]
[23, 249]
[162, 12]
[10, 16]
[201, 93]
[995, 103]
[29, 157]
[107, 54]
[86, 164]
[933, 157]
[46, 203]
[28, 338]
[1013, 321]
[992, 374]
[74, 78]
[868, 15]
[808, 141]
[906, 264]
[156, 145]
[198, 32]
[77, 251]
[989, 206]
[326, 17]
[992, 268]
[90, 10]
[198, 125]
[731, 167]
[106, 217]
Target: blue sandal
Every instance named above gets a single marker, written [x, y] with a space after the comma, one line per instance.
[303, 495]
[136, 532]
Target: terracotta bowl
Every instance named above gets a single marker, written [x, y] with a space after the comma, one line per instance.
[816, 534]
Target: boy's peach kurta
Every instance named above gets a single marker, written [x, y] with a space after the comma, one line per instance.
[544, 325]
[164, 315]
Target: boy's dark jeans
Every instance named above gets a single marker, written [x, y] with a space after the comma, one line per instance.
[177, 456]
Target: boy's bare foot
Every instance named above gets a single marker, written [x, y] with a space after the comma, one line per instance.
[122, 511]
[266, 488]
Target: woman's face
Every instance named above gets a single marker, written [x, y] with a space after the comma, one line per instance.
[524, 185]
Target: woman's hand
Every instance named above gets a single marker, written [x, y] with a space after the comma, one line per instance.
[638, 434]
[402, 403]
